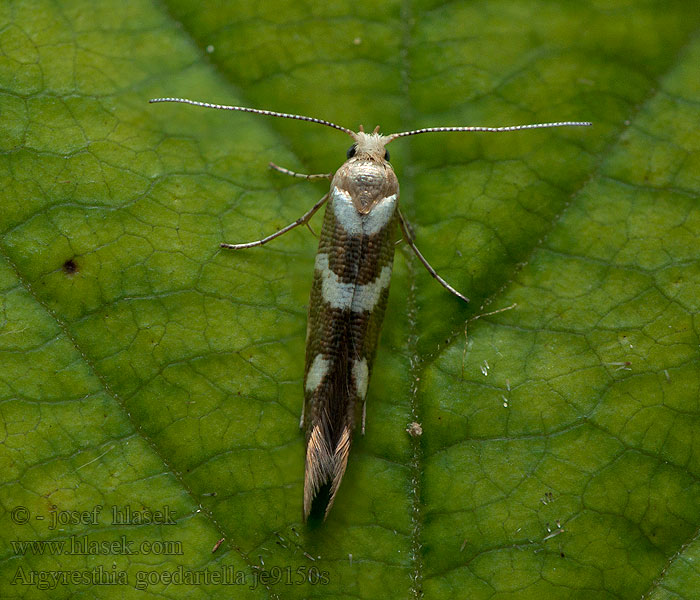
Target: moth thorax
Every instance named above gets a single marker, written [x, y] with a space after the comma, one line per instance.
[365, 182]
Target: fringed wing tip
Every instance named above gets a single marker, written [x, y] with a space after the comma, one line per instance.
[325, 467]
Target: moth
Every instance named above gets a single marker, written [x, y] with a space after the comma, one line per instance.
[352, 272]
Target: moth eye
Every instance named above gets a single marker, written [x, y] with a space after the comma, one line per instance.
[351, 151]
[386, 154]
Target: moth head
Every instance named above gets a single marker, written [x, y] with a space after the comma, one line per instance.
[369, 146]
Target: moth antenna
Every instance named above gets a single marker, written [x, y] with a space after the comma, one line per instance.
[393, 136]
[257, 111]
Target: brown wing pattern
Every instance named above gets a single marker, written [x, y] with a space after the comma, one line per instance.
[341, 344]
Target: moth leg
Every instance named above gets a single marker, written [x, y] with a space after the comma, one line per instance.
[426, 264]
[308, 226]
[301, 175]
[301, 420]
[300, 221]
[364, 414]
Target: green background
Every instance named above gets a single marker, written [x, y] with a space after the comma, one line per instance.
[143, 367]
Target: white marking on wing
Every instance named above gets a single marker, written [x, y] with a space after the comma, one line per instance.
[317, 372]
[345, 212]
[356, 224]
[360, 375]
[357, 298]
[367, 296]
[333, 291]
[379, 217]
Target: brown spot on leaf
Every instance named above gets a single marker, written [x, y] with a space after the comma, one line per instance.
[70, 267]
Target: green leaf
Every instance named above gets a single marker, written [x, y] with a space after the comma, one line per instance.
[145, 370]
